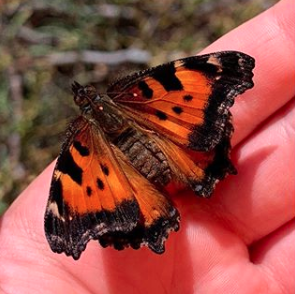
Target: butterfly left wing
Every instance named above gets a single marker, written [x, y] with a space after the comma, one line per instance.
[92, 198]
[187, 100]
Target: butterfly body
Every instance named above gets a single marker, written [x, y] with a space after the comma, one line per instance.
[171, 122]
[142, 152]
[145, 155]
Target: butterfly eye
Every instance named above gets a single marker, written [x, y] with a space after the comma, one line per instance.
[90, 91]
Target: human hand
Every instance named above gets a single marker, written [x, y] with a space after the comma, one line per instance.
[239, 241]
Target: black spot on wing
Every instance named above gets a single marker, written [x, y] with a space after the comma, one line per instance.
[100, 184]
[88, 191]
[105, 169]
[187, 98]
[147, 92]
[83, 150]
[67, 165]
[165, 75]
[177, 109]
[161, 115]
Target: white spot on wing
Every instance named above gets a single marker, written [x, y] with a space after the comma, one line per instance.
[57, 174]
[53, 208]
[215, 61]
[178, 63]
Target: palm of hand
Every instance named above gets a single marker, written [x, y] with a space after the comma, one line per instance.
[239, 241]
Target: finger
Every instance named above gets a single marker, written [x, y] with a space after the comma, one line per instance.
[216, 231]
[260, 199]
[24, 218]
[269, 38]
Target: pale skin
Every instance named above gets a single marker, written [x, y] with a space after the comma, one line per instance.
[239, 241]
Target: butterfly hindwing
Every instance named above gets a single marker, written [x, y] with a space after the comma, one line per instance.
[186, 100]
[158, 217]
[198, 170]
[92, 198]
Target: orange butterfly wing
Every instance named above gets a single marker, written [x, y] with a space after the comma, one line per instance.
[186, 100]
[92, 198]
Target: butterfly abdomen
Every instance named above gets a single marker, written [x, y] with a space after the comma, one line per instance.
[144, 155]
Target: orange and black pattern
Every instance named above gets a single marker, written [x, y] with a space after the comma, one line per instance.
[170, 122]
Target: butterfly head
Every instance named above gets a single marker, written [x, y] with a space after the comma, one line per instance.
[84, 96]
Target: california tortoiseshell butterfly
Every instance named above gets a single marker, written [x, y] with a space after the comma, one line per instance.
[127, 145]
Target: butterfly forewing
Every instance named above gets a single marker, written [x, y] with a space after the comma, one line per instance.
[89, 195]
[187, 100]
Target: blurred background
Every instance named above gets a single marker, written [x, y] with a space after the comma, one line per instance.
[46, 45]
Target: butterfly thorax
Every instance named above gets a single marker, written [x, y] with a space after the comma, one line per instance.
[99, 109]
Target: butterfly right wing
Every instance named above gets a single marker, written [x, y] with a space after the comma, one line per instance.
[92, 198]
[186, 100]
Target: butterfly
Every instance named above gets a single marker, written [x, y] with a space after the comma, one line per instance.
[167, 123]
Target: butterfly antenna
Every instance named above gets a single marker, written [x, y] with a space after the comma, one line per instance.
[75, 87]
